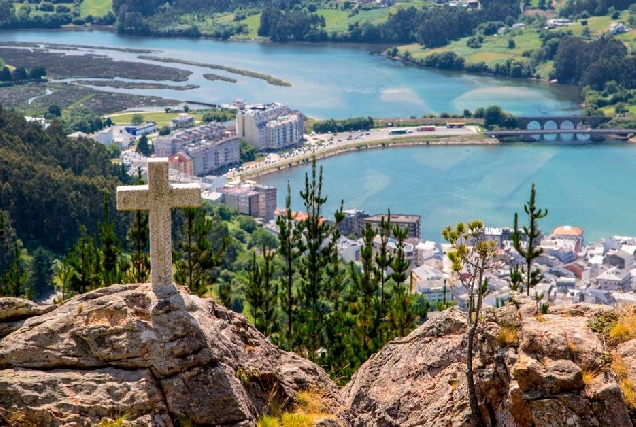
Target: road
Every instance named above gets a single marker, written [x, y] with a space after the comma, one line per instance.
[325, 145]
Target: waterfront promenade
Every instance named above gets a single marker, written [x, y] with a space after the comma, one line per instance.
[326, 145]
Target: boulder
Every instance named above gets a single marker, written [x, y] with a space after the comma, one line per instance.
[121, 350]
[555, 373]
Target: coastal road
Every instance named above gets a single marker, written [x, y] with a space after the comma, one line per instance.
[326, 145]
[384, 134]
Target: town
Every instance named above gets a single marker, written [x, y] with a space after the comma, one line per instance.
[209, 154]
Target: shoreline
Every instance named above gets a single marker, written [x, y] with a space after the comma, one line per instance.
[344, 148]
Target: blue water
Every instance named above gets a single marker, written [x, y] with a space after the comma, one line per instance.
[588, 185]
[329, 80]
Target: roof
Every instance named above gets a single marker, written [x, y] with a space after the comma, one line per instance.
[567, 230]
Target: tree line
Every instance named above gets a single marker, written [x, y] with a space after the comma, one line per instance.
[293, 287]
[21, 75]
[46, 15]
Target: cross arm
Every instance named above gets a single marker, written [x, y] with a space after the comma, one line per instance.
[132, 197]
[182, 195]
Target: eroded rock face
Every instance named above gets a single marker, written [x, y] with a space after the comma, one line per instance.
[555, 373]
[120, 350]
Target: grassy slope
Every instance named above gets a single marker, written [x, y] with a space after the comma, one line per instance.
[95, 7]
[495, 49]
[335, 20]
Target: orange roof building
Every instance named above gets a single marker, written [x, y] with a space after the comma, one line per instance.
[570, 233]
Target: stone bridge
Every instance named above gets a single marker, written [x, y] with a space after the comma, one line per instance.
[559, 122]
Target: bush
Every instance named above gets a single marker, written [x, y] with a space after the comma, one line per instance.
[46, 7]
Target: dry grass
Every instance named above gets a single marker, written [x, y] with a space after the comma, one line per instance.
[629, 392]
[588, 376]
[618, 366]
[508, 337]
[540, 317]
[626, 385]
[308, 407]
[571, 346]
[625, 328]
[118, 422]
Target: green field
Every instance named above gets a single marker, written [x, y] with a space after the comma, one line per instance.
[339, 20]
[159, 117]
[95, 7]
[494, 49]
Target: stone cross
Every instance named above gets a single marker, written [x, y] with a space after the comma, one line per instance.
[158, 197]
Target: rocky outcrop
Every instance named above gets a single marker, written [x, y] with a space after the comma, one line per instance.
[120, 350]
[546, 370]
[185, 360]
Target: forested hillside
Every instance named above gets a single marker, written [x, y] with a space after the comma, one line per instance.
[51, 184]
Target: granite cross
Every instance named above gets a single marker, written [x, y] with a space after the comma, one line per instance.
[158, 197]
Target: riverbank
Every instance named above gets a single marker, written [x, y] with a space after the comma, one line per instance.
[322, 152]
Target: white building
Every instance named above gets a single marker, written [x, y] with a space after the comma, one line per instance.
[104, 136]
[210, 156]
[430, 282]
[614, 279]
[271, 126]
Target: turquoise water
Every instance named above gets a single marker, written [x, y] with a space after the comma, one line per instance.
[589, 186]
[584, 185]
[329, 80]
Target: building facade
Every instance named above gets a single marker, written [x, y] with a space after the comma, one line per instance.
[270, 126]
[251, 199]
[211, 147]
[142, 129]
[412, 222]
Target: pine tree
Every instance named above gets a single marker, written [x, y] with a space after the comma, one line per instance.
[289, 250]
[110, 247]
[270, 293]
[138, 240]
[84, 257]
[143, 147]
[16, 278]
[41, 272]
[8, 238]
[317, 247]
[195, 257]
[527, 277]
[64, 271]
[365, 286]
[340, 343]
[383, 258]
[254, 289]
[472, 257]
[225, 294]
[404, 311]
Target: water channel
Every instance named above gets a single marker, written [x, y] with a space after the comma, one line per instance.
[587, 185]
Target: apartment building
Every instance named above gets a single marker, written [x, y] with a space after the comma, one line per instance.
[412, 222]
[211, 147]
[270, 126]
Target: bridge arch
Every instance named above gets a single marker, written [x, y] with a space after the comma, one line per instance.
[567, 125]
[550, 125]
[533, 125]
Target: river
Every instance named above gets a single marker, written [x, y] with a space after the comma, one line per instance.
[329, 80]
[587, 185]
